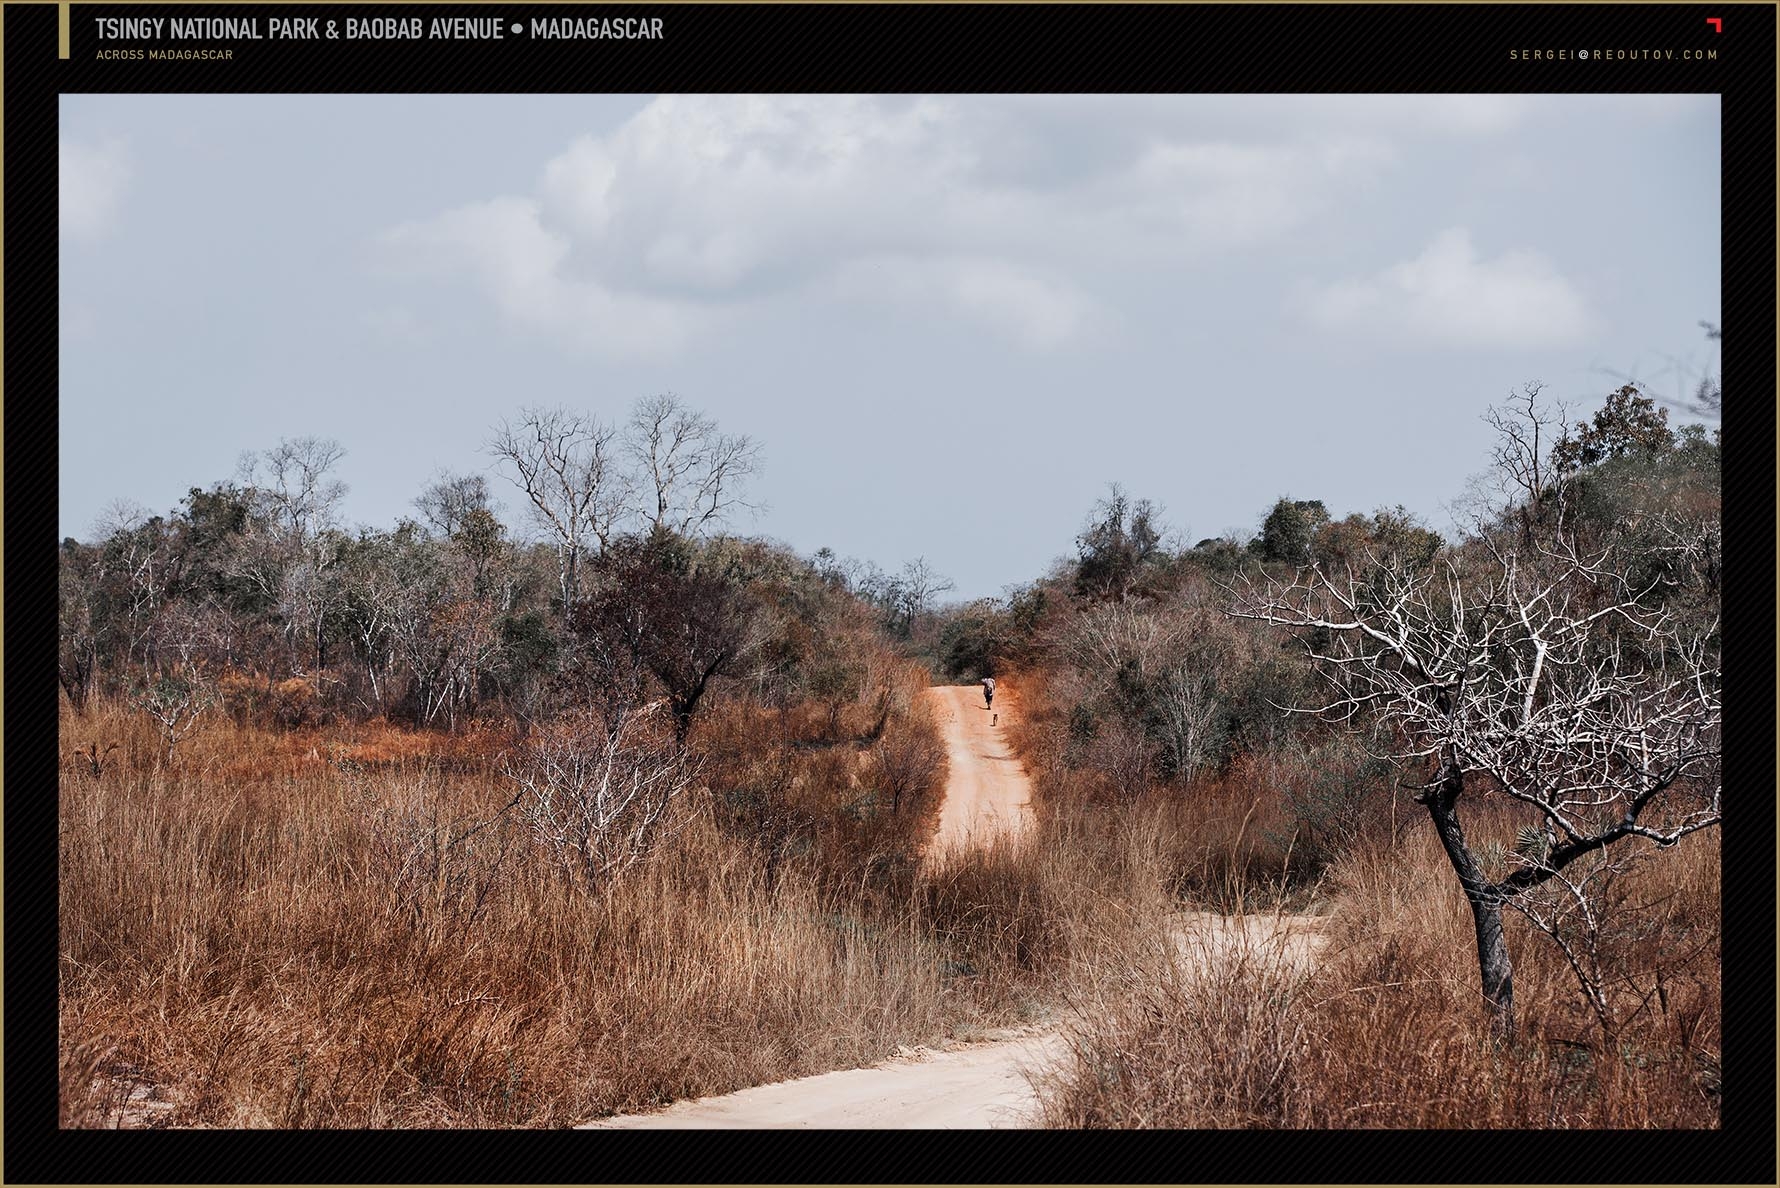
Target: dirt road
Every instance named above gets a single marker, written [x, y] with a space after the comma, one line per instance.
[987, 792]
[965, 1086]
[978, 1085]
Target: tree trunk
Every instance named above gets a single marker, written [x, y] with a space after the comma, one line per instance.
[77, 680]
[1493, 964]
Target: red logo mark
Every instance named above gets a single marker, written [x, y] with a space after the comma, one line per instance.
[1717, 24]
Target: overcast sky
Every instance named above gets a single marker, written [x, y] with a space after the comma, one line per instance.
[950, 321]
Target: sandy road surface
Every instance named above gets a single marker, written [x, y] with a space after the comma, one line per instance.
[974, 1086]
[981, 1085]
[987, 792]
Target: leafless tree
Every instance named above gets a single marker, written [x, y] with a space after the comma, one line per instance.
[290, 560]
[77, 640]
[600, 792]
[176, 701]
[294, 475]
[191, 634]
[1527, 430]
[1107, 638]
[138, 562]
[690, 475]
[1708, 397]
[310, 594]
[905, 764]
[1541, 675]
[921, 584]
[1187, 708]
[450, 498]
[413, 611]
[1156, 662]
[563, 461]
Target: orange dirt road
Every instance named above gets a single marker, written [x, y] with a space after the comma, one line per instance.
[987, 792]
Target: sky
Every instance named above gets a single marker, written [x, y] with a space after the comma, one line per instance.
[950, 321]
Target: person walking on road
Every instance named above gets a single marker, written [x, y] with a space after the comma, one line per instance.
[988, 692]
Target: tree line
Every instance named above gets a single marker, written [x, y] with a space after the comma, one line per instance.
[1558, 659]
[254, 596]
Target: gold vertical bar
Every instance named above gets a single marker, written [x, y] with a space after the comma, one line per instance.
[62, 29]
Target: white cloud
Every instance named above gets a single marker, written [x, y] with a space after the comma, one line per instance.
[1450, 296]
[991, 209]
[1203, 195]
[91, 181]
[506, 248]
[1037, 311]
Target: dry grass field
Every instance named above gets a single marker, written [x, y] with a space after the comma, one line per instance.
[337, 926]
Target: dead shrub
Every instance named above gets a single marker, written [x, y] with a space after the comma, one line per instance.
[295, 702]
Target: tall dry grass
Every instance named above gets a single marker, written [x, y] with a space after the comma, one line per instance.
[338, 928]
[1388, 1028]
[1233, 840]
[298, 929]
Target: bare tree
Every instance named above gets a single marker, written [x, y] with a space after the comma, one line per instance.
[298, 499]
[310, 594]
[563, 462]
[77, 639]
[1708, 397]
[450, 499]
[192, 634]
[1106, 639]
[1187, 712]
[1527, 431]
[296, 480]
[1540, 675]
[599, 791]
[690, 475]
[921, 584]
[176, 701]
[906, 764]
[138, 564]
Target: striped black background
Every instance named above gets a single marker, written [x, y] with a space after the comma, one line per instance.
[962, 47]
[959, 48]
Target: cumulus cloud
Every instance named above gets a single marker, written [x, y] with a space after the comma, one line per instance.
[1451, 296]
[700, 207]
[504, 246]
[91, 181]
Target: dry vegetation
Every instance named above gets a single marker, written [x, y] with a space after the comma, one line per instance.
[303, 930]
[279, 930]
[1388, 1028]
[277, 913]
